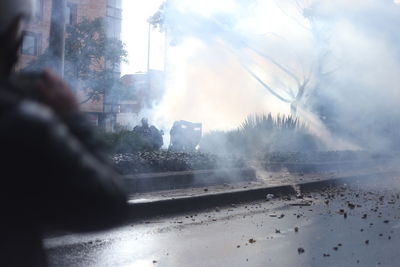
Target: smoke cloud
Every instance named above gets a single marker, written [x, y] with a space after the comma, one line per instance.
[336, 63]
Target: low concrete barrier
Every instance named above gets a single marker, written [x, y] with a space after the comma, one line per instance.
[149, 182]
[321, 167]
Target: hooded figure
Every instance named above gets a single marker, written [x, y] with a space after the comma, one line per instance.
[53, 170]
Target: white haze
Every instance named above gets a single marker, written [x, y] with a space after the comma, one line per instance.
[356, 42]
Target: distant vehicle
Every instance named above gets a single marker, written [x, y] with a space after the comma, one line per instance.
[185, 136]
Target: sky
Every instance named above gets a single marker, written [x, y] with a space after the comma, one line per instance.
[135, 36]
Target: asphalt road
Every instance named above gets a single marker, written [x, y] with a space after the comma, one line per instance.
[349, 226]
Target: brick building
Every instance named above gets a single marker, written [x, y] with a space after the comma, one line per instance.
[36, 39]
[148, 88]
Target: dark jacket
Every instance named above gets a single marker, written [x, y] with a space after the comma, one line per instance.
[53, 172]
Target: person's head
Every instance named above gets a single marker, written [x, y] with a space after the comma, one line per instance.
[14, 15]
[145, 122]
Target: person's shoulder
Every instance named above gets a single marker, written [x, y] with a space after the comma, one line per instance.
[31, 110]
[28, 124]
[27, 113]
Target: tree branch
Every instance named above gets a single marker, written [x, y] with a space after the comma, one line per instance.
[272, 91]
[277, 64]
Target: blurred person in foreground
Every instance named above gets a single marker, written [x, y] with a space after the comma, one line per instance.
[53, 171]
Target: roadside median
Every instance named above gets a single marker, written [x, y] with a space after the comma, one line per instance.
[165, 202]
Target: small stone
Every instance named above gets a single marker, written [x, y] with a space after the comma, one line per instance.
[296, 229]
[351, 206]
[252, 241]
[300, 250]
[269, 196]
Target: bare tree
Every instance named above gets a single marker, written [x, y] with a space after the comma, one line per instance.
[311, 76]
[297, 84]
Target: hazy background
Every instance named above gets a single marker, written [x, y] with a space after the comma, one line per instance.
[349, 51]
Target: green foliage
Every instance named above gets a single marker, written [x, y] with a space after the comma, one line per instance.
[262, 133]
[157, 20]
[124, 141]
[91, 60]
[268, 123]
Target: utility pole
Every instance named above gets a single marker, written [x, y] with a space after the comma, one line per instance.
[148, 78]
[57, 36]
[148, 48]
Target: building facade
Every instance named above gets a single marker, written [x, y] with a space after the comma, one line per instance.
[148, 88]
[36, 38]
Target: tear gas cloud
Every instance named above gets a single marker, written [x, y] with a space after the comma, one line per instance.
[334, 60]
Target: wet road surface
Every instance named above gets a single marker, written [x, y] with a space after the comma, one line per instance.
[348, 226]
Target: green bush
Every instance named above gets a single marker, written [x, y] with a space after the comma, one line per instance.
[124, 141]
[262, 133]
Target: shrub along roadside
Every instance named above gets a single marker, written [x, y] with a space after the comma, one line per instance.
[124, 141]
[262, 133]
[258, 134]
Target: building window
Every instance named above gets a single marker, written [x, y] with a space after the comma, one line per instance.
[114, 18]
[71, 14]
[30, 44]
[114, 12]
[39, 10]
[113, 28]
[115, 3]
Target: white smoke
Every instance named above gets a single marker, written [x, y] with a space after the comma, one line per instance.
[348, 51]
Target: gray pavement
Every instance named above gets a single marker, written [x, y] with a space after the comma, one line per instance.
[356, 225]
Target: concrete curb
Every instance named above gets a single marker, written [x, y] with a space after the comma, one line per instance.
[142, 183]
[328, 166]
[149, 182]
[189, 204]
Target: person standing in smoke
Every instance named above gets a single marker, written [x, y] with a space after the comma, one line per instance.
[53, 171]
[150, 135]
